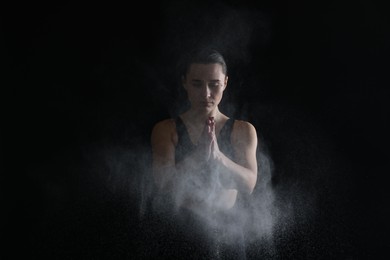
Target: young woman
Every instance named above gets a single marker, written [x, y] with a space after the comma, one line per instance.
[202, 159]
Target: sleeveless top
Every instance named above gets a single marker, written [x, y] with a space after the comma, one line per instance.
[185, 145]
[211, 242]
[183, 230]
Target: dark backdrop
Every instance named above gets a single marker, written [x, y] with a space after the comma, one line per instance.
[84, 84]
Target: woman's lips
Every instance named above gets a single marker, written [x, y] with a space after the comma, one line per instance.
[207, 103]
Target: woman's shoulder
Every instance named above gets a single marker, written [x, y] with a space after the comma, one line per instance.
[243, 129]
[165, 125]
[240, 124]
[164, 129]
[164, 122]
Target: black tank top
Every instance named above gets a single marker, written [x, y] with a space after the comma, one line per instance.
[185, 145]
[225, 219]
[190, 234]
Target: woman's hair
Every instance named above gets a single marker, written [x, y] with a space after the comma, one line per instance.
[202, 56]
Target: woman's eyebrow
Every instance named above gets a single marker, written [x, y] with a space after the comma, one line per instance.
[200, 81]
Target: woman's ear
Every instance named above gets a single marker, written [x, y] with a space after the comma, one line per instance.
[225, 83]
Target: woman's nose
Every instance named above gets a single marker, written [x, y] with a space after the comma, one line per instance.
[206, 91]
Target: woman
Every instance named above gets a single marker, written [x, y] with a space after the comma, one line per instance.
[202, 159]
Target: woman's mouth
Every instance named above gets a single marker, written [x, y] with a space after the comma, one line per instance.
[206, 103]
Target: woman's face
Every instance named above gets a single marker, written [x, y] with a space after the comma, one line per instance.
[205, 84]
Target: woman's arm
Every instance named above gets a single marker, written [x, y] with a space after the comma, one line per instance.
[241, 173]
[163, 154]
[166, 172]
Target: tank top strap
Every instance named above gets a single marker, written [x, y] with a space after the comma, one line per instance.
[227, 130]
[184, 145]
[224, 138]
[180, 127]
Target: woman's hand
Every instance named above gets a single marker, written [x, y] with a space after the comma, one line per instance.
[209, 153]
[208, 144]
[214, 148]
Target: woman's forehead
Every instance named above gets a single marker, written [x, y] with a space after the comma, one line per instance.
[210, 70]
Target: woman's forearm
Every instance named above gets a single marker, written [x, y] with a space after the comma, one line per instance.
[172, 176]
[239, 177]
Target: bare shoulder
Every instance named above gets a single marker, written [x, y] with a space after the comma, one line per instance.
[243, 127]
[163, 129]
[164, 124]
[244, 131]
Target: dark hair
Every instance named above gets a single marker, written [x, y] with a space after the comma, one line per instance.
[202, 56]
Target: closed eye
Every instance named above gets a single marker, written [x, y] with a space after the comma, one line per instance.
[215, 83]
[196, 83]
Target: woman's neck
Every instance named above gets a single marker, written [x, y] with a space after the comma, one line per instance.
[197, 117]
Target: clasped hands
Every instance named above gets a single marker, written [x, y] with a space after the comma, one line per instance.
[207, 159]
[207, 148]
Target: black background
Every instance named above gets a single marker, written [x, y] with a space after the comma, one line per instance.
[85, 83]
